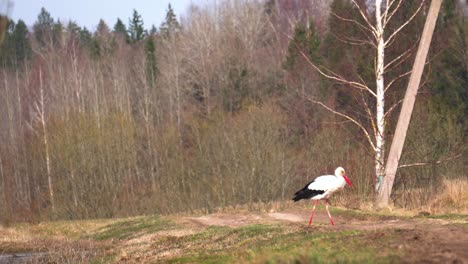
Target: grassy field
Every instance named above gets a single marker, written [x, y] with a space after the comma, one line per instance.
[242, 236]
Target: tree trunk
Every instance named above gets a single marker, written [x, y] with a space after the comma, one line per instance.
[4, 188]
[46, 142]
[380, 116]
[407, 107]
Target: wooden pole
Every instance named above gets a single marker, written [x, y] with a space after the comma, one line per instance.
[407, 108]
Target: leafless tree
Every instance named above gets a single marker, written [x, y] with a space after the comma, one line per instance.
[378, 37]
[40, 116]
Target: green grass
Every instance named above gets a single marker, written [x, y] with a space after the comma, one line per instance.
[448, 216]
[323, 247]
[269, 242]
[284, 244]
[138, 225]
[366, 215]
[203, 258]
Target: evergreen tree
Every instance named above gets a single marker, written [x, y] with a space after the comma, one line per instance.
[57, 34]
[449, 70]
[153, 31]
[296, 45]
[73, 28]
[151, 66]
[306, 41]
[85, 37]
[102, 28]
[170, 25]
[121, 30]
[87, 41]
[352, 62]
[102, 39]
[135, 27]
[43, 27]
[16, 47]
[20, 39]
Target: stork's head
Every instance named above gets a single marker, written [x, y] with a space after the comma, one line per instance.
[340, 172]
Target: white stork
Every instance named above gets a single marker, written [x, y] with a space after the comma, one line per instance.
[321, 188]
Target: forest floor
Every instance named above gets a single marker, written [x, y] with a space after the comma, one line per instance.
[244, 236]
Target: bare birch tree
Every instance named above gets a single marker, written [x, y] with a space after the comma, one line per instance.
[379, 36]
[40, 117]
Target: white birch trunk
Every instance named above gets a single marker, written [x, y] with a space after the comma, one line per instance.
[73, 187]
[41, 117]
[380, 110]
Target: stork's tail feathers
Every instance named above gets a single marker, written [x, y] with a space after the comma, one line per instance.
[302, 194]
[296, 198]
[306, 193]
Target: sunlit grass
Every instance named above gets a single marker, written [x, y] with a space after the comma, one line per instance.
[173, 239]
[138, 225]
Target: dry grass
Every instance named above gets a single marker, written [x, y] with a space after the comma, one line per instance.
[453, 198]
[254, 233]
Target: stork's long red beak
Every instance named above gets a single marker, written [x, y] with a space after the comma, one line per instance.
[347, 180]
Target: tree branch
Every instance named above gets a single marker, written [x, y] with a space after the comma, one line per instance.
[354, 41]
[354, 21]
[404, 56]
[372, 28]
[430, 162]
[370, 116]
[396, 79]
[404, 24]
[392, 108]
[345, 116]
[334, 76]
[387, 19]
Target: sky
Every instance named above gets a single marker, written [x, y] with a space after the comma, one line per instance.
[88, 12]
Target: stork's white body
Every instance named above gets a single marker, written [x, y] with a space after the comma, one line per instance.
[321, 188]
[327, 183]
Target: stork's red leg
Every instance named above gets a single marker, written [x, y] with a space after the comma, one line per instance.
[313, 210]
[329, 215]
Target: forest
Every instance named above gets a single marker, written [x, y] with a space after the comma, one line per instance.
[238, 103]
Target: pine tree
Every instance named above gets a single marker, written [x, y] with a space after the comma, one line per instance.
[350, 61]
[296, 45]
[102, 28]
[103, 39]
[43, 27]
[153, 31]
[313, 43]
[20, 39]
[170, 25]
[135, 27]
[151, 66]
[90, 43]
[57, 34]
[306, 41]
[16, 47]
[121, 30]
[449, 71]
[73, 28]
[85, 37]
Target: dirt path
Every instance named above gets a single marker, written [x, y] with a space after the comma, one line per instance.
[423, 240]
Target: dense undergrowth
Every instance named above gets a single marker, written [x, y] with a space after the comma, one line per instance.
[211, 113]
